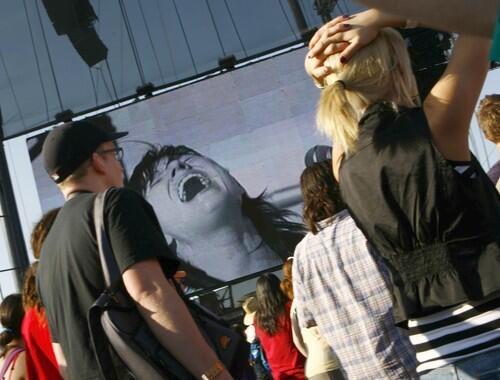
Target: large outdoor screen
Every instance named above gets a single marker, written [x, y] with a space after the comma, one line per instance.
[220, 161]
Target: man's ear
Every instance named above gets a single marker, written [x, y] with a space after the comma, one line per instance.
[97, 162]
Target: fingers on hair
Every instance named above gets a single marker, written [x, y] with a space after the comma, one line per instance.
[379, 71]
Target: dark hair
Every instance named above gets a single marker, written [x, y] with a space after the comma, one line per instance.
[270, 303]
[321, 194]
[280, 234]
[41, 230]
[11, 317]
[30, 295]
[146, 172]
[287, 284]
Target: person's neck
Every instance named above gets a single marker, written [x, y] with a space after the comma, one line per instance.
[14, 343]
[231, 251]
[87, 185]
[337, 157]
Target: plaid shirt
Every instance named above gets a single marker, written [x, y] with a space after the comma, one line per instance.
[340, 286]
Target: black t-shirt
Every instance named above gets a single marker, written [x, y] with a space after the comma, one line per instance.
[70, 276]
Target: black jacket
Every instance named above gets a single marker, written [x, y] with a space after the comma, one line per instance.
[438, 231]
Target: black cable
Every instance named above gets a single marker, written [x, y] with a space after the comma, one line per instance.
[94, 87]
[128, 28]
[216, 29]
[122, 79]
[10, 269]
[99, 17]
[37, 60]
[151, 40]
[236, 29]
[111, 78]
[170, 55]
[185, 36]
[341, 11]
[95, 81]
[105, 83]
[97, 78]
[11, 85]
[346, 7]
[307, 15]
[288, 20]
[51, 64]
[106, 86]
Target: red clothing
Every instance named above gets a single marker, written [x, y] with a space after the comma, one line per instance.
[285, 360]
[41, 362]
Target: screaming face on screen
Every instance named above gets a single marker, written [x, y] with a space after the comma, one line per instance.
[214, 226]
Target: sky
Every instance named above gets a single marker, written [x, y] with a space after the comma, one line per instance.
[152, 41]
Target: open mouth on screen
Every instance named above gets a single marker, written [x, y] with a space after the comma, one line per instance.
[191, 185]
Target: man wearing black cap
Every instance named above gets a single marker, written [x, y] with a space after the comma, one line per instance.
[84, 159]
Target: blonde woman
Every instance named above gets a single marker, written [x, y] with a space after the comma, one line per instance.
[412, 185]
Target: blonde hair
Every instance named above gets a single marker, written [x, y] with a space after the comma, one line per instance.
[379, 71]
[488, 116]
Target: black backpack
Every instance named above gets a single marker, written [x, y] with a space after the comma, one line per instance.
[116, 324]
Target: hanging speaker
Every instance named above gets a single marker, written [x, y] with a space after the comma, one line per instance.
[67, 15]
[75, 18]
[88, 45]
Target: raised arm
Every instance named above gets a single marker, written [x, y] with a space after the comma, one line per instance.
[450, 104]
[462, 16]
[168, 317]
[298, 340]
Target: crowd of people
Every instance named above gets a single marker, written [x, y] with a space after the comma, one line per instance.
[397, 277]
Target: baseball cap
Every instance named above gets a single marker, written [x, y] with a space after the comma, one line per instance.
[68, 146]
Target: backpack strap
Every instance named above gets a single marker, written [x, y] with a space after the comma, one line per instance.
[10, 359]
[98, 337]
[109, 266]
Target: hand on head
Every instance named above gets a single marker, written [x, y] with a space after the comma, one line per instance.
[344, 35]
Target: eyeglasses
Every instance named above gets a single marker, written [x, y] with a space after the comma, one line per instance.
[117, 151]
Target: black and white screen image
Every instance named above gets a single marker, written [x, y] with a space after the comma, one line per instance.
[220, 162]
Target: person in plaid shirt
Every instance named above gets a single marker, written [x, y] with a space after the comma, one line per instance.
[341, 285]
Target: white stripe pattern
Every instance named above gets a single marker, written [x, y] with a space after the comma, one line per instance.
[434, 357]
